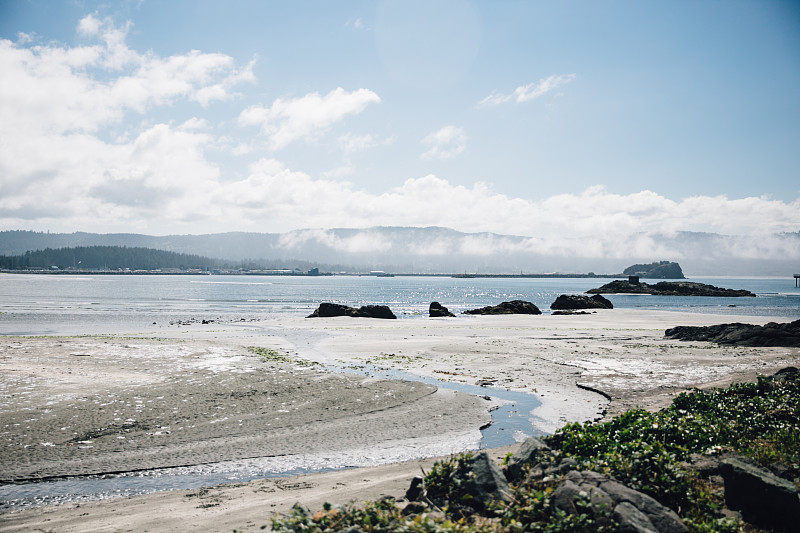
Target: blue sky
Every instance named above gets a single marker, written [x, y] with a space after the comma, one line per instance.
[545, 119]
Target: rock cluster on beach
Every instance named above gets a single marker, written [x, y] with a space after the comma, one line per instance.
[668, 288]
[326, 310]
[438, 310]
[771, 334]
[569, 302]
[514, 307]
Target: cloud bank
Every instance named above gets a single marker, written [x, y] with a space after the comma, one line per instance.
[79, 153]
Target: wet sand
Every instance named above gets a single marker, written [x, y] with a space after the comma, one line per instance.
[191, 394]
[95, 406]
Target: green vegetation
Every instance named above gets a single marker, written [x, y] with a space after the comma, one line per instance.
[106, 258]
[274, 356]
[645, 451]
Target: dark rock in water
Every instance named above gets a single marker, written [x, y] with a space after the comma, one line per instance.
[579, 301]
[566, 313]
[659, 270]
[668, 288]
[763, 498]
[436, 310]
[771, 334]
[326, 310]
[514, 307]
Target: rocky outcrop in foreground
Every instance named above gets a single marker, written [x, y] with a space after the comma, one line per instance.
[771, 334]
[668, 288]
[326, 310]
[573, 492]
[438, 310]
[570, 302]
[759, 496]
[756, 494]
[514, 307]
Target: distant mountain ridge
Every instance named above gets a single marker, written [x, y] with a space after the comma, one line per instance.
[436, 249]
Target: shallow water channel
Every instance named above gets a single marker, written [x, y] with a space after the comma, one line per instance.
[512, 422]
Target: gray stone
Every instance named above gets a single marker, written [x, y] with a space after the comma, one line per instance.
[565, 496]
[567, 464]
[632, 520]
[490, 483]
[664, 519]
[527, 454]
[763, 498]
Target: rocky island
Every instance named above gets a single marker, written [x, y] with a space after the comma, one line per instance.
[657, 270]
[667, 288]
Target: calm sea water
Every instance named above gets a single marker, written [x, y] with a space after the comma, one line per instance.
[63, 304]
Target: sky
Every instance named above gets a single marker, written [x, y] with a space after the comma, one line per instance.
[543, 119]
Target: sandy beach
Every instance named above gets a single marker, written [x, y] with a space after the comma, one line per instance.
[196, 394]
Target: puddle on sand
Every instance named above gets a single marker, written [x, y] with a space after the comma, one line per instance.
[512, 422]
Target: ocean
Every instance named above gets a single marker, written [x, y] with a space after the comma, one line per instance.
[45, 304]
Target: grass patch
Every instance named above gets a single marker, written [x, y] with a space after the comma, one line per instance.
[274, 356]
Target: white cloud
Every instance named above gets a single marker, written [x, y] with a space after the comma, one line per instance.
[289, 120]
[529, 92]
[85, 88]
[57, 101]
[444, 143]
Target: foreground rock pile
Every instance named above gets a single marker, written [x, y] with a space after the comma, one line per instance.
[609, 502]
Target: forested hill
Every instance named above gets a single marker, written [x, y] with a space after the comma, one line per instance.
[106, 258]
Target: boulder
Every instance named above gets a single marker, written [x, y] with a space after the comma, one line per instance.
[526, 455]
[489, 483]
[375, 311]
[481, 482]
[579, 301]
[772, 334]
[607, 500]
[514, 307]
[326, 310]
[437, 310]
[763, 498]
